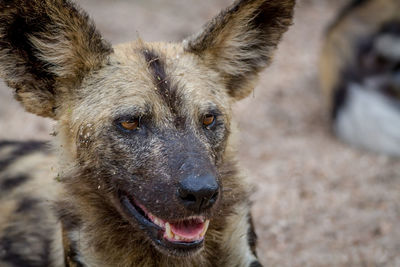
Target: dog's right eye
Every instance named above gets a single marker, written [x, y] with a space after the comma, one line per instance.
[130, 125]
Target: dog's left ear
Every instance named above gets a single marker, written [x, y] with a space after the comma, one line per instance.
[241, 40]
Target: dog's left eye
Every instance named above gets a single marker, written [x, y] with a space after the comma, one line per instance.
[208, 120]
[130, 125]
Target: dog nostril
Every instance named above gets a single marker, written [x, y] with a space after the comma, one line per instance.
[188, 197]
[214, 197]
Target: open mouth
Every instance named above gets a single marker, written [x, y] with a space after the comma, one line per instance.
[180, 237]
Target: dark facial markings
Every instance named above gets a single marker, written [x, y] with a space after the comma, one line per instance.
[167, 90]
[161, 82]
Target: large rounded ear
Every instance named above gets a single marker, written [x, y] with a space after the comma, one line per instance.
[241, 40]
[47, 47]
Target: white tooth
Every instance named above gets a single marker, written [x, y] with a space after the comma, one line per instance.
[202, 234]
[177, 237]
[156, 221]
[168, 230]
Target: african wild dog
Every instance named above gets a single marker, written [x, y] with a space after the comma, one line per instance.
[360, 74]
[144, 172]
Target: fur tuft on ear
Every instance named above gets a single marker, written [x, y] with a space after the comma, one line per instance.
[240, 41]
[47, 46]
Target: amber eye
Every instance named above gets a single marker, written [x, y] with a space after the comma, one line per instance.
[208, 119]
[130, 125]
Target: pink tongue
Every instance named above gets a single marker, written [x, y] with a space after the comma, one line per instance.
[188, 229]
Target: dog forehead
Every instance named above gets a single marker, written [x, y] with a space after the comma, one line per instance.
[144, 76]
[166, 65]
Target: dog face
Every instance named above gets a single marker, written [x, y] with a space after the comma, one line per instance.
[144, 127]
[156, 142]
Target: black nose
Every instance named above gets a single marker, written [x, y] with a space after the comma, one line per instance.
[198, 193]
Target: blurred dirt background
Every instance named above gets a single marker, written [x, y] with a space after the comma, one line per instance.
[317, 202]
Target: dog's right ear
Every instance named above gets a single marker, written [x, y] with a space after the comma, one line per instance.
[46, 49]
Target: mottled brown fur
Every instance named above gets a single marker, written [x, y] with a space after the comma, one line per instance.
[360, 70]
[60, 67]
[355, 25]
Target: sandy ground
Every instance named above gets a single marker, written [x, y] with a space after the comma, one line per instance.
[317, 202]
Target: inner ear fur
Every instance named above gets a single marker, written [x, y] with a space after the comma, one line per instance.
[241, 40]
[46, 48]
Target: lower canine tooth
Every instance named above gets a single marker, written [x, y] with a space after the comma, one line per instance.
[202, 234]
[168, 230]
